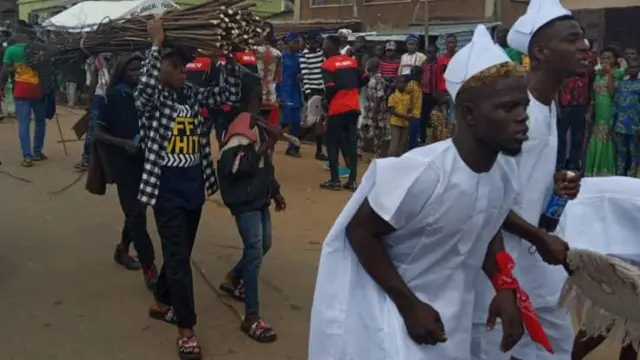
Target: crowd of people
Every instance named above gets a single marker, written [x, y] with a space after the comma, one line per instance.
[401, 270]
[602, 111]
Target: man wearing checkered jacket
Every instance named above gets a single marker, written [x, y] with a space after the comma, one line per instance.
[178, 171]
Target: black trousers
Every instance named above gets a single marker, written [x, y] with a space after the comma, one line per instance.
[429, 101]
[342, 133]
[134, 230]
[572, 118]
[177, 228]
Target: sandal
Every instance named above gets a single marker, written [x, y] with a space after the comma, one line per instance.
[167, 315]
[188, 348]
[27, 162]
[236, 293]
[259, 331]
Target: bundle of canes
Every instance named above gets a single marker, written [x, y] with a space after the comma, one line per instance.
[603, 291]
[211, 27]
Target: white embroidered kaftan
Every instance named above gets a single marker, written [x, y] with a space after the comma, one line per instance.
[445, 216]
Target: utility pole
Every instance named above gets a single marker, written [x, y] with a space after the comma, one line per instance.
[426, 23]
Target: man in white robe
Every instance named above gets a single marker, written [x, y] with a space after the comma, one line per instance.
[554, 41]
[398, 269]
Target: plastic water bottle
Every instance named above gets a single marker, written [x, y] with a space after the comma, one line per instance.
[551, 216]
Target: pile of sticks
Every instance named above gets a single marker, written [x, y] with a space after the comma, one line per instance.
[212, 27]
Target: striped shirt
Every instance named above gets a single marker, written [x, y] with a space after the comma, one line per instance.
[311, 70]
[389, 68]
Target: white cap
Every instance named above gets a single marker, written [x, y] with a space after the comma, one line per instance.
[478, 55]
[538, 13]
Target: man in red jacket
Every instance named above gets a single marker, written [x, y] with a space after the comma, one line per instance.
[342, 79]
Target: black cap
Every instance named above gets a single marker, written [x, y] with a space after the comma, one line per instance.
[186, 55]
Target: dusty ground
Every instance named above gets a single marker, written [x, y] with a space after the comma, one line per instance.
[64, 298]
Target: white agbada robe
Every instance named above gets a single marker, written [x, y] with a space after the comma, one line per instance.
[605, 217]
[445, 216]
[536, 166]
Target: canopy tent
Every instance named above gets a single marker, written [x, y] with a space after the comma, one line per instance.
[87, 15]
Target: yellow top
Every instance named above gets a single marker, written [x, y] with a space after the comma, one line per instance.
[413, 88]
[400, 102]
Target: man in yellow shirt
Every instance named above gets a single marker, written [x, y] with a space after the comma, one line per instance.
[400, 113]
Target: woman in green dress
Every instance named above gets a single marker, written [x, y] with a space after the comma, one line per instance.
[600, 151]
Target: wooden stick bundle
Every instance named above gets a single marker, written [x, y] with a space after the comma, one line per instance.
[212, 27]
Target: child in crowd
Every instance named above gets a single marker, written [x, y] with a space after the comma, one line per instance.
[399, 116]
[247, 186]
[374, 116]
[441, 129]
[626, 121]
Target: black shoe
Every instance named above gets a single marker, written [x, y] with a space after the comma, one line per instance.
[350, 185]
[122, 257]
[331, 185]
[293, 153]
[322, 157]
[150, 277]
[82, 165]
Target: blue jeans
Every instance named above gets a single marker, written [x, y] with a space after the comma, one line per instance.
[291, 117]
[98, 103]
[255, 229]
[414, 132]
[23, 113]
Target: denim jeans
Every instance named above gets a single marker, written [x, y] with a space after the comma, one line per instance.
[414, 132]
[23, 113]
[291, 117]
[255, 230]
[98, 103]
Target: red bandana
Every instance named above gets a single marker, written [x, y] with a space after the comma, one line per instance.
[504, 279]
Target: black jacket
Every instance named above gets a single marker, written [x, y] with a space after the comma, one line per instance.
[247, 179]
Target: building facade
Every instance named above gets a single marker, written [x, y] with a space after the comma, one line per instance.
[35, 11]
[8, 11]
[388, 14]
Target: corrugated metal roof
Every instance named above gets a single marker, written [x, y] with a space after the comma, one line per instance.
[435, 29]
[440, 28]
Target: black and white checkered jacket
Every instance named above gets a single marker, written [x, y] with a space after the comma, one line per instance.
[158, 107]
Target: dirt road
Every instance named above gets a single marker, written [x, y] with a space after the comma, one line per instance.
[64, 298]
